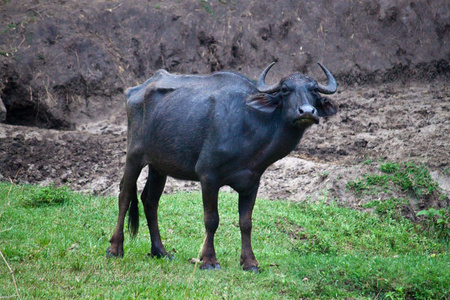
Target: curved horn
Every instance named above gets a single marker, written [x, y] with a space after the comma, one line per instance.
[262, 86]
[331, 86]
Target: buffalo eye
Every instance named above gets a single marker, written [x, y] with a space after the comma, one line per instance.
[285, 90]
[324, 100]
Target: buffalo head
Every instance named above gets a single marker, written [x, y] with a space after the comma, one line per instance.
[298, 96]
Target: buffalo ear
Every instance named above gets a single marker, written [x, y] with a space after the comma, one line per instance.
[326, 107]
[263, 102]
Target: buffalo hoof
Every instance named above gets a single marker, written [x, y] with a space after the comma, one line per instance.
[111, 254]
[252, 269]
[169, 257]
[163, 256]
[210, 266]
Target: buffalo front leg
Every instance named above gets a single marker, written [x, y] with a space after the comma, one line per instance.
[246, 204]
[128, 193]
[150, 198]
[211, 218]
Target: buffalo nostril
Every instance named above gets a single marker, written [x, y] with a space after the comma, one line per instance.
[311, 110]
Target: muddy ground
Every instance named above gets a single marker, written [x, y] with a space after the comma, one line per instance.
[64, 66]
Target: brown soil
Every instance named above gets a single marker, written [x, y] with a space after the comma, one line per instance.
[65, 64]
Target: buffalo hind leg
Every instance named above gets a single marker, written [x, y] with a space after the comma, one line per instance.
[246, 204]
[128, 194]
[211, 218]
[150, 198]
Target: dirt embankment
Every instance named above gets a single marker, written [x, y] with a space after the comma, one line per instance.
[65, 64]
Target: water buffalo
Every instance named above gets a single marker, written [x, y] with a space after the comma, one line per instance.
[220, 129]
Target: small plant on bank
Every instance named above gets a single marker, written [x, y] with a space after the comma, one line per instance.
[438, 221]
[389, 167]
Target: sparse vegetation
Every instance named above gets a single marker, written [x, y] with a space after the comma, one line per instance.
[414, 181]
[388, 207]
[409, 177]
[305, 251]
[367, 162]
[206, 4]
[389, 167]
[437, 221]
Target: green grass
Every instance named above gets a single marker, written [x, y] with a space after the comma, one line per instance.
[56, 249]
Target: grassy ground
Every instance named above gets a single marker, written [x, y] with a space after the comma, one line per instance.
[54, 240]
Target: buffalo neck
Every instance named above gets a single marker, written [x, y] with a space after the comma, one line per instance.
[278, 139]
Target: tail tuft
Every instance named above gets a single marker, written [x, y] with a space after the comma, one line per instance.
[133, 217]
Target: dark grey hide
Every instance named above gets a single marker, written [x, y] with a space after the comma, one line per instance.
[220, 129]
